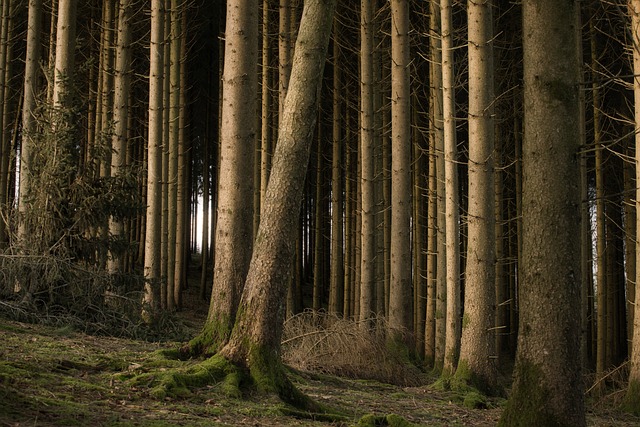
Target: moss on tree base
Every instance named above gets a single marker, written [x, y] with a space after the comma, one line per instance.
[631, 402]
[265, 375]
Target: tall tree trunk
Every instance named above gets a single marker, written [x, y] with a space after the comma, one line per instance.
[255, 341]
[476, 364]
[452, 220]
[400, 300]
[29, 124]
[5, 142]
[336, 290]
[366, 153]
[120, 117]
[547, 388]
[632, 398]
[234, 224]
[152, 246]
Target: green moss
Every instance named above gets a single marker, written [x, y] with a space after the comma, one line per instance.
[214, 334]
[631, 401]
[391, 420]
[528, 405]
[466, 320]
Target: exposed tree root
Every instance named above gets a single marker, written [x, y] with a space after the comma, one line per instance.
[267, 379]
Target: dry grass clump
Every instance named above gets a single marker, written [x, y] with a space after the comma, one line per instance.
[321, 342]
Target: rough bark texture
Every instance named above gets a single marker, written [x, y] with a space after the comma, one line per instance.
[476, 364]
[547, 388]
[255, 340]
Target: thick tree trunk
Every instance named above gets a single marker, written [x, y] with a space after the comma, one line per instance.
[234, 224]
[547, 388]
[255, 341]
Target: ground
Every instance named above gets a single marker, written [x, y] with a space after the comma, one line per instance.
[58, 376]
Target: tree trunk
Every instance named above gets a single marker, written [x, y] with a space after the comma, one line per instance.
[547, 388]
[234, 224]
[120, 118]
[452, 221]
[400, 300]
[336, 290]
[29, 124]
[255, 341]
[152, 246]
[477, 350]
[366, 152]
[632, 398]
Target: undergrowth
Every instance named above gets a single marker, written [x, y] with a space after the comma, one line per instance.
[325, 343]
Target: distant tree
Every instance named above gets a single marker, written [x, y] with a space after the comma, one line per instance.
[547, 388]
[119, 144]
[29, 124]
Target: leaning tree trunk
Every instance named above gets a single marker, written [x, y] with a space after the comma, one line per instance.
[255, 340]
[547, 388]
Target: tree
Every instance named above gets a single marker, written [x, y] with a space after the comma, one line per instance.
[234, 224]
[452, 220]
[255, 341]
[152, 244]
[400, 314]
[28, 114]
[476, 364]
[122, 86]
[547, 387]
[632, 398]
[367, 140]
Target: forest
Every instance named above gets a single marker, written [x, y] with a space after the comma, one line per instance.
[262, 194]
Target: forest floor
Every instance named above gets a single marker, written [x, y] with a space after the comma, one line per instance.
[58, 376]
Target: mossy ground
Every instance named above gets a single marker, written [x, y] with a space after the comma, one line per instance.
[60, 377]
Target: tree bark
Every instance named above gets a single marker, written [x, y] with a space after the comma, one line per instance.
[255, 341]
[477, 350]
[632, 398]
[547, 388]
[400, 297]
[452, 220]
[152, 246]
